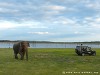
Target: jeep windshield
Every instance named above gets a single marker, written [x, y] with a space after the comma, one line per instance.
[78, 47]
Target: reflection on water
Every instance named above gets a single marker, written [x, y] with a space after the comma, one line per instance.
[50, 45]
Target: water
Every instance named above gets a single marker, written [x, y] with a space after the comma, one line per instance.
[50, 45]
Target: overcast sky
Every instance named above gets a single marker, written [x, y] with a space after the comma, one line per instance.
[50, 20]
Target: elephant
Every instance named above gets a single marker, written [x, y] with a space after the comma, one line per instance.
[21, 48]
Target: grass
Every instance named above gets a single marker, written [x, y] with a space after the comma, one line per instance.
[53, 61]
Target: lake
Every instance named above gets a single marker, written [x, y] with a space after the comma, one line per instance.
[50, 45]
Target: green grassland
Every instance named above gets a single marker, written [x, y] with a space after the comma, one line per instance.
[49, 61]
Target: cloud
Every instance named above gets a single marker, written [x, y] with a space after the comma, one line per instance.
[5, 4]
[55, 7]
[22, 24]
[33, 10]
[6, 10]
[7, 25]
[50, 11]
[55, 19]
[92, 22]
[61, 20]
[40, 33]
[77, 32]
[33, 24]
[97, 20]
[93, 4]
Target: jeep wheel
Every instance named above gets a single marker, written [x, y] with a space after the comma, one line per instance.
[83, 54]
[94, 54]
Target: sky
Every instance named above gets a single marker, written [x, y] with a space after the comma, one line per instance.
[50, 20]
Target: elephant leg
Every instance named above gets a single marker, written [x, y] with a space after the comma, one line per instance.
[15, 54]
[27, 54]
[16, 57]
[21, 54]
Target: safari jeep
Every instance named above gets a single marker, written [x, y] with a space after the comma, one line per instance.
[84, 50]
